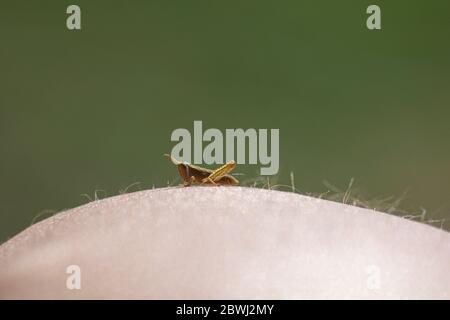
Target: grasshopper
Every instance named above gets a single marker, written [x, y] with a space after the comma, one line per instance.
[197, 175]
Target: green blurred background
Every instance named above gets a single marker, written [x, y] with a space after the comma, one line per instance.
[94, 109]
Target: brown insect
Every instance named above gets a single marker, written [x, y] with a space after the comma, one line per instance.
[197, 175]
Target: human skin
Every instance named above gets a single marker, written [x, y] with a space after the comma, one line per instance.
[226, 243]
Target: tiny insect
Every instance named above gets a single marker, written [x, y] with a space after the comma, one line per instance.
[197, 175]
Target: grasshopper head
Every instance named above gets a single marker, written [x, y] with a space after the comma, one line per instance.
[174, 161]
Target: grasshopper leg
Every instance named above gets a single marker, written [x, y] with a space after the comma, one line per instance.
[189, 181]
[209, 180]
[219, 173]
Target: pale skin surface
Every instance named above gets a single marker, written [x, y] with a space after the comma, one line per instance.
[226, 243]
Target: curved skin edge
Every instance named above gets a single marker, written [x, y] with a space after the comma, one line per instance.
[226, 243]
